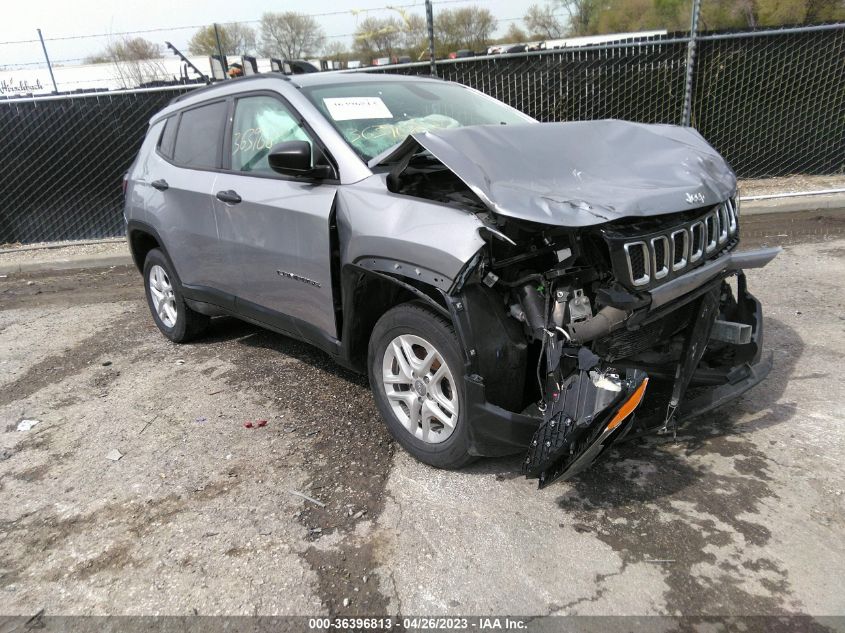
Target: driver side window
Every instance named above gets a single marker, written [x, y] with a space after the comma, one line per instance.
[261, 122]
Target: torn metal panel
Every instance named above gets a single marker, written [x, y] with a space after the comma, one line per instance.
[580, 173]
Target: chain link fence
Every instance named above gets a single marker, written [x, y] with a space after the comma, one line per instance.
[771, 102]
[63, 160]
[636, 81]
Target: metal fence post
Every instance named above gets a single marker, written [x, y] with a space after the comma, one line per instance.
[429, 18]
[693, 32]
[49, 65]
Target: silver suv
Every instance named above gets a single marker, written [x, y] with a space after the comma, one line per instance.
[508, 285]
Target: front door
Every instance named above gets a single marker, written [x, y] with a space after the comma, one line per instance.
[275, 230]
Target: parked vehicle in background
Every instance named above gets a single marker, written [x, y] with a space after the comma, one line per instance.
[501, 49]
[502, 294]
[593, 40]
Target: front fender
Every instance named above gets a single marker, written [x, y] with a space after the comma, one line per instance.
[402, 235]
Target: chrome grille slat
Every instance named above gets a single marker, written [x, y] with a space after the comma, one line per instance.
[655, 257]
[679, 262]
[632, 251]
[722, 214]
[732, 215]
[697, 245]
[711, 225]
[660, 254]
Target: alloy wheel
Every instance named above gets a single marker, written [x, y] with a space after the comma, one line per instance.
[420, 388]
[164, 300]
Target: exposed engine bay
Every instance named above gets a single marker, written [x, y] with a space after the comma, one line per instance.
[604, 331]
[600, 351]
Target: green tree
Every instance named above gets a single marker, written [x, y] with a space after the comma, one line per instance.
[235, 39]
[378, 37]
[335, 50]
[515, 35]
[134, 61]
[726, 14]
[824, 11]
[464, 28]
[415, 36]
[290, 35]
[620, 16]
[776, 12]
[582, 15]
[126, 50]
[615, 16]
[544, 23]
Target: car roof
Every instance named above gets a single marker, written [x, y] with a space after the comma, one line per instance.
[303, 81]
[233, 86]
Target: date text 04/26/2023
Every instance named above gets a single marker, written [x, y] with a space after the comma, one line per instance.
[419, 623]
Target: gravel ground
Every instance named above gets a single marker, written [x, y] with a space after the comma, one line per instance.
[790, 184]
[51, 251]
[743, 515]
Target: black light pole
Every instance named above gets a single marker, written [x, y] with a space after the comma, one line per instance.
[223, 61]
[429, 18]
[49, 65]
[686, 116]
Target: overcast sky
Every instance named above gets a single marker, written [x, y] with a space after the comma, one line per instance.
[83, 17]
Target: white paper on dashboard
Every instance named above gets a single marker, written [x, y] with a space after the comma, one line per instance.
[350, 108]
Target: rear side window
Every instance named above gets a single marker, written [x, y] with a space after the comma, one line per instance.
[168, 137]
[200, 134]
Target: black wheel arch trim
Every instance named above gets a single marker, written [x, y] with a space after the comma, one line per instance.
[137, 226]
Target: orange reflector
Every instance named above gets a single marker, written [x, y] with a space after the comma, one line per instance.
[628, 407]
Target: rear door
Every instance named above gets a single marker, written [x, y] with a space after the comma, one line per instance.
[275, 229]
[190, 153]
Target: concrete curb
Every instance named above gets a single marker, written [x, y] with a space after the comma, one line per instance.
[71, 263]
[830, 203]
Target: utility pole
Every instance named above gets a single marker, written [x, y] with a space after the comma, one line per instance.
[429, 18]
[693, 33]
[49, 65]
[223, 61]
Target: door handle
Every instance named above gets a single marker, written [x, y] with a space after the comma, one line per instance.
[229, 197]
[160, 184]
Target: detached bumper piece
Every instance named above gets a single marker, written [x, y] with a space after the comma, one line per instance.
[590, 411]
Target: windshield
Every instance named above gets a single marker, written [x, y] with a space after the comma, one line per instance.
[374, 116]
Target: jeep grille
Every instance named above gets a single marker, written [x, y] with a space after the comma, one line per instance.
[649, 257]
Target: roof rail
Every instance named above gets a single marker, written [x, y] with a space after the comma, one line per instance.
[226, 82]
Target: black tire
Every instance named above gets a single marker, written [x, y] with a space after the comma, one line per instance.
[415, 319]
[188, 324]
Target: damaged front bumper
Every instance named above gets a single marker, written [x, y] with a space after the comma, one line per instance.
[603, 402]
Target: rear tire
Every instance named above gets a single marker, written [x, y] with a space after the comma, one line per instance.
[417, 376]
[167, 305]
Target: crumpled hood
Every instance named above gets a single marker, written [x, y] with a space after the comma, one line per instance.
[581, 173]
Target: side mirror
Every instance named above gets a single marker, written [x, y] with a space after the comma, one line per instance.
[293, 158]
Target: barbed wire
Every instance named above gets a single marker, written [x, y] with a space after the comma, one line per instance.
[198, 26]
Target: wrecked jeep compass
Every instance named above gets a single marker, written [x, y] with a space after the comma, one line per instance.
[508, 286]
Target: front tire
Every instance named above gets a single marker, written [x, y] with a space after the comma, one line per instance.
[417, 377]
[164, 297]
